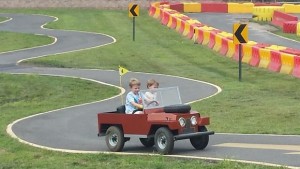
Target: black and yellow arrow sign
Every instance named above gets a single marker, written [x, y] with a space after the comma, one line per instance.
[133, 10]
[240, 33]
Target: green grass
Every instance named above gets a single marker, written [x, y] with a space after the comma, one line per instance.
[24, 95]
[288, 35]
[240, 108]
[16, 41]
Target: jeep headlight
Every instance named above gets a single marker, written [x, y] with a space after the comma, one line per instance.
[182, 121]
[193, 120]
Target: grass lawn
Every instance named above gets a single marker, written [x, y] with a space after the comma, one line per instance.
[263, 102]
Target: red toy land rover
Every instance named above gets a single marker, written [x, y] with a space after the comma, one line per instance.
[164, 121]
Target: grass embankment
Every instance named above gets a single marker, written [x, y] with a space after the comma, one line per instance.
[156, 49]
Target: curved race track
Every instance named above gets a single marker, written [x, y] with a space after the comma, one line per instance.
[75, 128]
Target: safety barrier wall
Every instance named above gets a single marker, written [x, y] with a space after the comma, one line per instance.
[296, 68]
[191, 7]
[218, 7]
[291, 8]
[240, 7]
[272, 57]
[290, 27]
[279, 18]
[265, 13]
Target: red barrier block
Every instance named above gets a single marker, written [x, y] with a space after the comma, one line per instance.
[236, 53]
[152, 10]
[290, 27]
[218, 7]
[255, 56]
[212, 40]
[178, 6]
[165, 17]
[200, 36]
[275, 62]
[291, 51]
[280, 17]
[224, 46]
[296, 70]
[174, 22]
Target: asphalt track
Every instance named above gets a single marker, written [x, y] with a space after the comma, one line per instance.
[74, 129]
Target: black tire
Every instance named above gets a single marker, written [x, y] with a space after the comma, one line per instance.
[164, 141]
[199, 143]
[147, 142]
[114, 139]
[179, 108]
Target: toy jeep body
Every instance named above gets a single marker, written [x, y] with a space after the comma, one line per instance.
[164, 120]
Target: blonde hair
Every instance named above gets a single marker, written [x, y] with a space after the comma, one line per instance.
[134, 81]
[151, 82]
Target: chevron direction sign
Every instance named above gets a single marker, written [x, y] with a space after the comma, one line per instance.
[133, 10]
[240, 33]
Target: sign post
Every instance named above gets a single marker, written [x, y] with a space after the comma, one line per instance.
[240, 35]
[133, 11]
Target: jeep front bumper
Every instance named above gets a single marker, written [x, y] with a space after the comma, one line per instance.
[191, 135]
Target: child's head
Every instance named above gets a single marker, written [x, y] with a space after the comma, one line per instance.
[151, 84]
[134, 85]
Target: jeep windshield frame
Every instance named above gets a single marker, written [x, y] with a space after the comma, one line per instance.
[160, 97]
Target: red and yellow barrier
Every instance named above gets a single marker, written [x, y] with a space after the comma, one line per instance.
[272, 57]
[265, 57]
[219, 7]
[265, 13]
[191, 7]
[291, 8]
[240, 7]
[296, 70]
[287, 63]
[275, 61]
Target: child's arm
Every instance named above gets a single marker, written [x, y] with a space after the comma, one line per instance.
[139, 106]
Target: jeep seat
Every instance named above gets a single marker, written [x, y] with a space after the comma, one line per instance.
[121, 109]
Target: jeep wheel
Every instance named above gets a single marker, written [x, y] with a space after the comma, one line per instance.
[199, 143]
[114, 138]
[147, 142]
[164, 141]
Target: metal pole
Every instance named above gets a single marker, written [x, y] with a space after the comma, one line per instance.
[240, 62]
[133, 19]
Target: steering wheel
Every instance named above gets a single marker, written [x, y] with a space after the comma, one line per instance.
[153, 101]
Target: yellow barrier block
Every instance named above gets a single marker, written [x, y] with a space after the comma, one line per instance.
[247, 51]
[298, 28]
[265, 58]
[157, 13]
[240, 7]
[265, 13]
[206, 36]
[291, 8]
[178, 24]
[231, 49]
[191, 7]
[186, 29]
[218, 43]
[276, 47]
[225, 34]
[287, 63]
[166, 6]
